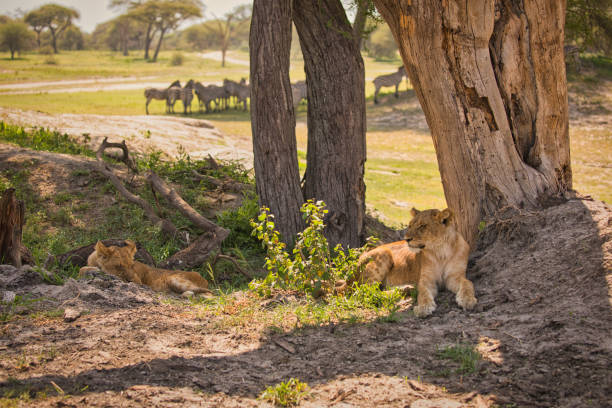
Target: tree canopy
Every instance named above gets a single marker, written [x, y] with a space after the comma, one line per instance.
[15, 36]
[52, 17]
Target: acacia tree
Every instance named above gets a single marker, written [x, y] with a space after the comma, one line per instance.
[15, 36]
[170, 14]
[490, 76]
[54, 18]
[223, 29]
[277, 177]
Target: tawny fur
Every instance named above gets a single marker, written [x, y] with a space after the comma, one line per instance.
[433, 254]
[119, 261]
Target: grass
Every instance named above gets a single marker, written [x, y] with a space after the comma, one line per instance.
[286, 394]
[464, 355]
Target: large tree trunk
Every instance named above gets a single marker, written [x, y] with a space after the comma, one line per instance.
[336, 117]
[490, 77]
[277, 175]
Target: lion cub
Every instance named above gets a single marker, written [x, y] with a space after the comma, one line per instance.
[433, 253]
[119, 261]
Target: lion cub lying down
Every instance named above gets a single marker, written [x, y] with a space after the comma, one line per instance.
[433, 254]
[119, 261]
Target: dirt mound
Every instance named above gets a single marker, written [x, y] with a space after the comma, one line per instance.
[542, 327]
[94, 292]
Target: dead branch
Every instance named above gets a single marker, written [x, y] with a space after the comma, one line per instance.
[196, 253]
[232, 260]
[78, 257]
[177, 202]
[166, 226]
[209, 179]
[12, 218]
[227, 184]
[125, 158]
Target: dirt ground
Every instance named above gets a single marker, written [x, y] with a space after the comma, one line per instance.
[542, 326]
[143, 133]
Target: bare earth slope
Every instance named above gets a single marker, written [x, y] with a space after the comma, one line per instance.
[144, 133]
[542, 324]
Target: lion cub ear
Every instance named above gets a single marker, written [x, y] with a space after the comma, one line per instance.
[102, 249]
[414, 212]
[131, 246]
[445, 216]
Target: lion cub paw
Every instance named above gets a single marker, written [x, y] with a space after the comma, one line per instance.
[466, 301]
[424, 310]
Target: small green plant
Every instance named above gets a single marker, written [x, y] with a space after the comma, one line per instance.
[311, 267]
[177, 59]
[286, 394]
[462, 353]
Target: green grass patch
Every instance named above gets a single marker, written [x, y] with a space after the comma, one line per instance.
[286, 394]
[42, 139]
[464, 355]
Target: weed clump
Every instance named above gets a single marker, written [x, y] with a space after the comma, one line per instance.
[285, 394]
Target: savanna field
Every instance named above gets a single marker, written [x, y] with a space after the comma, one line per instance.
[249, 343]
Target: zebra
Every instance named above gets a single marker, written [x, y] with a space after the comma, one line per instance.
[185, 94]
[299, 92]
[234, 88]
[243, 92]
[393, 79]
[161, 94]
[208, 94]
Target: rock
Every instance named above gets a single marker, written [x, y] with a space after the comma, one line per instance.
[8, 296]
[70, 314]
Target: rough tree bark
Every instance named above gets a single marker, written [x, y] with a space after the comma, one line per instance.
[12, 219]
[490, 77]
[272, 117]
[336, 117]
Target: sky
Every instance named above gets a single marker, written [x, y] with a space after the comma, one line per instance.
[96, 11]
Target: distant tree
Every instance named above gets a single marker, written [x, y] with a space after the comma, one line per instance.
[381, 43]
[162, 16]
[15, 36]
[225, 28]
[588, 23]
[53, 17]
[4, 19]
[72, 39]
[171, 14]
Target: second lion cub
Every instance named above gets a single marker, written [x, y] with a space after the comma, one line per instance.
[433, 253]
[119, 261]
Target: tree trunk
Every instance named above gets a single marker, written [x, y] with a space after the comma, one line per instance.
[361, 16]
[336, 117]
[12, 54]
[223, 51]
[54, 41]
[12, 218]
[277, 175]
[490, 77]
[159, 43]
[148, 39]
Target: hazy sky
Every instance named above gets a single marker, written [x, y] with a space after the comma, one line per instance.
[96, 11]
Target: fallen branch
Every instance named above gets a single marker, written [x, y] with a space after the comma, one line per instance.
[166, 226]
[196, 253]
[184, 208]
[126, 156]
[232, 260]
[227, 184]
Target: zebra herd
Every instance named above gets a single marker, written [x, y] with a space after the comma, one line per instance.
[222, 96]
[239, 92]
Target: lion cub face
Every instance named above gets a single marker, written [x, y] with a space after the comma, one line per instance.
[428, 228]
[114, 259]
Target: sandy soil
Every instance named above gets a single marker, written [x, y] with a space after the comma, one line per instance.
[143, 133]
[542, 326]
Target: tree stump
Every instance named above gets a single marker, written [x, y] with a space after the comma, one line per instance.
[12, 218]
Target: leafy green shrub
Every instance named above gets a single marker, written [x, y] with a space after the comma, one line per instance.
[286, 394]
[311, 268]
[177, 59]
[46, 50]
[50, 60]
